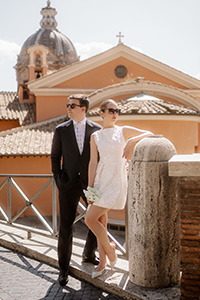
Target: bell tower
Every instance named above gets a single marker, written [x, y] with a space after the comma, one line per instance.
[38, 65]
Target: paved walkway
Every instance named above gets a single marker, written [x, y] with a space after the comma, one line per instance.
[44, 249]
[23, 278]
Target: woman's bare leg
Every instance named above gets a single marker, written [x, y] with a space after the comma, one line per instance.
[102, 255]
[92, 221]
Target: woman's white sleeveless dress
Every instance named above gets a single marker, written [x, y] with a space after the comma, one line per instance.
[111, 175]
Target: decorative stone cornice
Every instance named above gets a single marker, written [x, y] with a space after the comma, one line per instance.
[139, 85]
[59, 91]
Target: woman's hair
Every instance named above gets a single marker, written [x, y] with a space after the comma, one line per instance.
[105, 103]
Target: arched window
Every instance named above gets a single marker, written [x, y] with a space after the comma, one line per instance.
[25, 91]
[38, 60]
[38, 74]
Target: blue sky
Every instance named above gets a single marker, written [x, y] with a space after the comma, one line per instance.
[166, 30]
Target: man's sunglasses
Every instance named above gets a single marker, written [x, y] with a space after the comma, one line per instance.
[112, 111]
[73, 105]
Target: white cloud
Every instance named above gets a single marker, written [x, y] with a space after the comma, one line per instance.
[137, 49]
[90, 49]
[9, 50]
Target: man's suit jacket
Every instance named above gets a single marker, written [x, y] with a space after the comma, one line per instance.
[66, 160]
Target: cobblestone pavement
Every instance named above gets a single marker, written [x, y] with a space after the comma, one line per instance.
[22, 278]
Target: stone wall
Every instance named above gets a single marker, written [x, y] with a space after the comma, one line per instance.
[189, 195]
[187, 168]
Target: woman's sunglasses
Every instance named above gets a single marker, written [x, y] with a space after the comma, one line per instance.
[73, 105]
[112, 111]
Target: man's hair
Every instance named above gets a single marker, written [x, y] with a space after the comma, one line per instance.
[83, 99]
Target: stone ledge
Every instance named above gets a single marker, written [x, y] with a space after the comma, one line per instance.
[187, 165]
[116, 282]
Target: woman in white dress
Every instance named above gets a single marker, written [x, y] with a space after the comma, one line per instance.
[110, 147]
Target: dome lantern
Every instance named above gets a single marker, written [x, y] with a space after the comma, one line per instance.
[48, 21]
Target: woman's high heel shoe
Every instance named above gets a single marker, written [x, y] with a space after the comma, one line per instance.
[96, 274]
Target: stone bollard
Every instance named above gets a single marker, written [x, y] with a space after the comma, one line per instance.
[153, 215]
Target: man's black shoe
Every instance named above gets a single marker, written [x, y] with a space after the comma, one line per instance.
[63, 278]
[90, 259]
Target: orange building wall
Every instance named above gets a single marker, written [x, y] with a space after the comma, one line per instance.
[52, 106]
[184, 135]
[103, 76]
[6, 125]
[27, 165]
[48, 107]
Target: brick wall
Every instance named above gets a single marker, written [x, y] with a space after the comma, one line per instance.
[189, 193]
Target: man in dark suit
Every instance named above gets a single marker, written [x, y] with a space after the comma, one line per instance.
[70, 156]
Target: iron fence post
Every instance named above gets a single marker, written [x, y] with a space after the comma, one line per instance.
[9, 200]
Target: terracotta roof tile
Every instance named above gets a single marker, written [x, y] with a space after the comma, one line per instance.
[12, 109]
[145, 104]
[32, 139]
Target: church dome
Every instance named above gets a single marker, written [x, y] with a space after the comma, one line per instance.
[61, 50]
[55, 41]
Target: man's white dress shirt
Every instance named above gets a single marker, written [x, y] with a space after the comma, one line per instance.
[79, 128]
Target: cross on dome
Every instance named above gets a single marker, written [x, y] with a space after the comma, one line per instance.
[120, 36]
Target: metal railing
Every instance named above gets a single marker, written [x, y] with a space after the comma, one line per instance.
[9, 180]
[52, 230]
